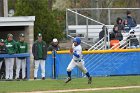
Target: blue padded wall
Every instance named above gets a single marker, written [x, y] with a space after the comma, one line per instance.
[107, 64]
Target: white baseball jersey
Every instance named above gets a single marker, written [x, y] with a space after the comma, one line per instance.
[77, 59]
[78, 51]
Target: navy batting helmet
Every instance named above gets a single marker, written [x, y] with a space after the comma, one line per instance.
[77, 39]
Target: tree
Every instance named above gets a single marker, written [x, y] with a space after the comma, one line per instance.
[50, 4]
[45, 20]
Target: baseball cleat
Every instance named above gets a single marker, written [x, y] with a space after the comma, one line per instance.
[68, 79]
[35, 78]
[43, 78]
[24, 78]
[89, 80]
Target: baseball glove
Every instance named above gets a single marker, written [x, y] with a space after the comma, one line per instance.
[71, 50]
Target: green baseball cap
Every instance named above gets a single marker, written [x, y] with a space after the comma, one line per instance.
[39, 34]
[9, 35]
[1, 40]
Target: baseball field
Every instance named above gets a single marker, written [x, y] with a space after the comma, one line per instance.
[112, 84]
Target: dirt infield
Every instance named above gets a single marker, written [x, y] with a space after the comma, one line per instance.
[90, 89]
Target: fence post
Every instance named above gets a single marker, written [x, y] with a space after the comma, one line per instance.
[105, 40]
[54, 64]
[28, 67]
[109, 20]
[67, 22]
[87, 30]
[76, 17]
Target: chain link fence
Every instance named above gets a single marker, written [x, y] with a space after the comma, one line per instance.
[106, 16]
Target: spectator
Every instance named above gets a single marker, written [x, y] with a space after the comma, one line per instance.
[103, 32]
[9, 62]
[130, 19]
[116, 34]
[132, 40]
[114, 43]
[39, 51]
[21, 61]
[120, 25]
[127, 27]
[3, 50]
[54, 45]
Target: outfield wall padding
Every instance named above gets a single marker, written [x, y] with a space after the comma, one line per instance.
[100, 63]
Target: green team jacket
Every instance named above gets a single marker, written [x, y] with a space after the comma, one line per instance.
[39, 51]
[11, 46]
[22, 47]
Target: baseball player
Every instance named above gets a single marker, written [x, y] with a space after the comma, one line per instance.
[22, 47]
[77, 60]
[39, 51]
[9, 62]
[2, 51]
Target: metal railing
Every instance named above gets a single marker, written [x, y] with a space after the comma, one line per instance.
[96, 46]
[125, 44]
[87, 21]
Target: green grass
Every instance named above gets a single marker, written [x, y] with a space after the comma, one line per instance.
[77, 83]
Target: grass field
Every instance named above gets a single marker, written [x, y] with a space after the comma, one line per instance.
[77, 83]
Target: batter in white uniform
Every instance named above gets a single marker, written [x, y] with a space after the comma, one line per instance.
[77, 60]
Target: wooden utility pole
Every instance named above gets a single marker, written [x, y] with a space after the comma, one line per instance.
[5, 8]
[50, 3]
[1, 8]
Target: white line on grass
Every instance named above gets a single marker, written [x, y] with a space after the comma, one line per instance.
[89, 89]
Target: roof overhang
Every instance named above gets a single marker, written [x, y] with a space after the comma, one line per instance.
[17, 21]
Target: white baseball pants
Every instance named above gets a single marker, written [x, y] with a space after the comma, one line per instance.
[42, 64]
[80, 65]
[20, 64]
[1, 64]
[9, 63]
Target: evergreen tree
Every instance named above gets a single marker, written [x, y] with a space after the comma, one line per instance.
[45, 20]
